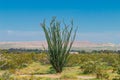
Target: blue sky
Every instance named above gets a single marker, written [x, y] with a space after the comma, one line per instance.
[98, 20]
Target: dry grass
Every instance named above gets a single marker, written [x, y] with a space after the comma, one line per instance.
[34, 68]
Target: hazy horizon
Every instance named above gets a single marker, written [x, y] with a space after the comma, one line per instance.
[98, 21]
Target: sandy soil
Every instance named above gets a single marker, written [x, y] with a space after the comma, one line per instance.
[58, 76]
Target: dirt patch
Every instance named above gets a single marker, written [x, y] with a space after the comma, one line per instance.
[46, 75]
[57, 76]
[86, 77]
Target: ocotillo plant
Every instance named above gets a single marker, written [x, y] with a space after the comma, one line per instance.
[59, 39]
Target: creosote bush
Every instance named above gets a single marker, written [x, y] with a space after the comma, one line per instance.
[17, 60]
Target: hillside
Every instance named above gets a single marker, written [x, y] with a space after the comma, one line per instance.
[85, 45]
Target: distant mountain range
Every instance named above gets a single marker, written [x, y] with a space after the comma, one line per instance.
[78, 45]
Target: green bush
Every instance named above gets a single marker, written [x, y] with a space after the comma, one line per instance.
[73, 60]
[88, 67]
[17, 61]
[118, 70]
[116, 78]
[51, 70]
[5, 76]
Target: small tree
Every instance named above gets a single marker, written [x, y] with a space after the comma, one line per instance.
[59, 40]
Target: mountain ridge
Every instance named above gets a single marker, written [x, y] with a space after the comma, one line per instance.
[41, 44]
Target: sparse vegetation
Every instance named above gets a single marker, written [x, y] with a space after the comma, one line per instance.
[22, 66]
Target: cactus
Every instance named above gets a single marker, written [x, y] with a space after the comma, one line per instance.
[59, 40]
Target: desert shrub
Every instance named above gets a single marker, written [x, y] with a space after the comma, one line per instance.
[5, 76]
[118, 69]
[88, 67]
[17, 61]
[109, 59]
[106, 76]
[116, 65]
[73, 60]
[96, 67]
[116, 78]
[42, 58]
[51, 70]
[3, 61]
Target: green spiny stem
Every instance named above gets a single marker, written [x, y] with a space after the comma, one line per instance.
[59, 43]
